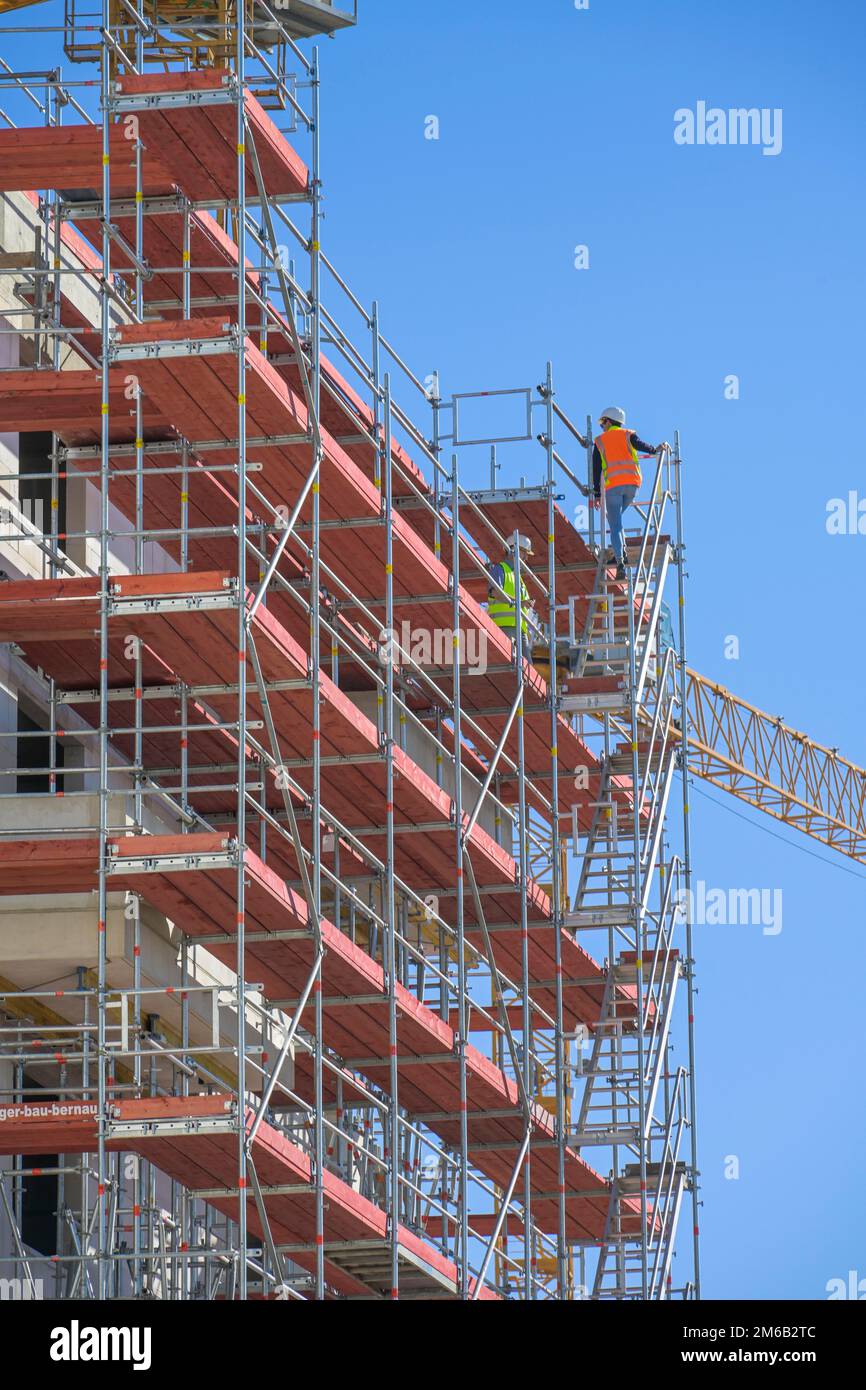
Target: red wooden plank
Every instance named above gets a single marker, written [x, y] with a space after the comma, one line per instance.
[70, 157]
[209, 1161]
[199, 143]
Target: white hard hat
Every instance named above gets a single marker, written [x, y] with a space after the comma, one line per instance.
[614, 413]
[524, 543]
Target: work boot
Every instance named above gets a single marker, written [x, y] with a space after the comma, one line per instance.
[620, 570]
[610, 557]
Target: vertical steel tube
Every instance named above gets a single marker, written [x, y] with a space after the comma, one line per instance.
[104, 598]
[240, 64]
[637, 889]
[138, 744]
[390, 893]
[560, 1044]
[462, 1039]
[523, 861]
[377, 394]
[687, 863]
[436, 406]
[315, 653]
[186, 261]
[589, 452]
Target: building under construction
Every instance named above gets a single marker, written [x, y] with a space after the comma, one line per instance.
[345, 948]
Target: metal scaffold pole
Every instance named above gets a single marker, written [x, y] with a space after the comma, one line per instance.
[461, 854]
[315, 644]
[240, 236]
[389, 896]
[687, 865]
[560, 1044]
[104, 601]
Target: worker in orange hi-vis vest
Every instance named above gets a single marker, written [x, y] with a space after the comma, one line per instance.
[615, 459]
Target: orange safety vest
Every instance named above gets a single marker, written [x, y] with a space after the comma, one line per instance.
[619, 461]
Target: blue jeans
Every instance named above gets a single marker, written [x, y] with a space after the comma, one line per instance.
[617, 501]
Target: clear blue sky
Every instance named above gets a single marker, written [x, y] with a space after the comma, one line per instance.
[556, 129]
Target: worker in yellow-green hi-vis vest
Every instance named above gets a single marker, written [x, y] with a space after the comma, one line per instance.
[503, 610]
[615, 459]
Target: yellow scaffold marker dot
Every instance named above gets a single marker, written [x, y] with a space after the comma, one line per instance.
[242, 149]
[242, 400]
[104, 408]
[554, 751]
[184, 497]
[139, 196]
[389, 569]
[139, 443]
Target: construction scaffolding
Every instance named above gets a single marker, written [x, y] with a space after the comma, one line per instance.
[343, 947]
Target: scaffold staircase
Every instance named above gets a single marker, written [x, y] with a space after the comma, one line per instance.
[631, 887]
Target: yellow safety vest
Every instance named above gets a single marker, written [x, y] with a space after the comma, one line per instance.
[503, 613]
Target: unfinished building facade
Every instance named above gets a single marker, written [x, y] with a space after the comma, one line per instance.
[342, 940]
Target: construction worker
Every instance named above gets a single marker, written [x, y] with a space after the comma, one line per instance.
[503, 611]
[615, 458]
